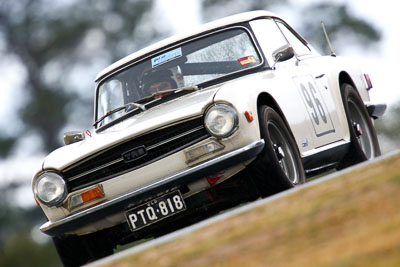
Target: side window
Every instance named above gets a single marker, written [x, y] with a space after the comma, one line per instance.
[269, 36]
[298, 46]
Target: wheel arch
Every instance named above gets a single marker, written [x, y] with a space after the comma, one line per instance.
[270, 177]
[267, 100]
[344, 77]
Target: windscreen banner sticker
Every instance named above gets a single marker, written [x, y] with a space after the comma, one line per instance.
[168, 56]
[247, 60]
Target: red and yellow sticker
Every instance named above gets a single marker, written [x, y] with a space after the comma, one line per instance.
[247, 60]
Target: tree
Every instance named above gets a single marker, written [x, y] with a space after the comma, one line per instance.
[336, 16]
[55, 42]
[342, 26]
[63, 44]
[214, 9]
[389, 129]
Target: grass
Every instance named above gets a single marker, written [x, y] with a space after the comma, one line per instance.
[350, 221]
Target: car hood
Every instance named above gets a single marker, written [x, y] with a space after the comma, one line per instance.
[175, 110]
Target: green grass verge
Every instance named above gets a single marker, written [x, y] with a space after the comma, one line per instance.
[350, 221]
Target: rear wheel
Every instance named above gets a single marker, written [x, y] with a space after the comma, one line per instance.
[77, 250]
[279, 166]
[364, 142]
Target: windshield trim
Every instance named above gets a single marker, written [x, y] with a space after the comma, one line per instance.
[174, 46]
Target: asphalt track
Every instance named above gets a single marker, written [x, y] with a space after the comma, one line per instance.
[230, 213]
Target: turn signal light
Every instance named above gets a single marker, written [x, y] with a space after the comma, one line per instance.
[249, 116]
[91, 194]
[85, 197]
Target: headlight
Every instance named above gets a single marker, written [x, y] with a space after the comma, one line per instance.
[221, 120]
[50, 189]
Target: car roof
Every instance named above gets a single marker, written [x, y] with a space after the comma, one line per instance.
[234, 19]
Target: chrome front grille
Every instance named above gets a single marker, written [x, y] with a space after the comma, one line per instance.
[134, 154]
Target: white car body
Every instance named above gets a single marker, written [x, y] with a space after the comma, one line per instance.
[286, 83]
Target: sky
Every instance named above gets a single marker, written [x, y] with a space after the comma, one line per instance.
[381, 65]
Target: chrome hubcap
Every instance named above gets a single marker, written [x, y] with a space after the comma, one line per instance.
[357, 128]
[361, 130]
[283, 153]
[280, 154]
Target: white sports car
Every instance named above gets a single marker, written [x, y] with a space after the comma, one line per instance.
[239, 108]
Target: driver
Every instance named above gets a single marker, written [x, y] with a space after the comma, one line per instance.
[159, 82]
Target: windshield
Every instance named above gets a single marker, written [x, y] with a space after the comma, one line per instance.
[187, 65]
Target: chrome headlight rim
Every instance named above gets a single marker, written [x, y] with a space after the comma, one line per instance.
[230, 110]
[58, 200]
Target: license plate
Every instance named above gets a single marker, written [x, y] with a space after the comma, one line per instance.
[155, 210]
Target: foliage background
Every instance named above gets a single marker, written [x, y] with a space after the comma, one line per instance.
[51, 52]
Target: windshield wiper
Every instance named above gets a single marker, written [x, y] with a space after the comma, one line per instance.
[167, 92]
[127, 107]
[131, 105]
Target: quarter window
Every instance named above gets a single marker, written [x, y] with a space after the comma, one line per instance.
[299, 47]
[269, 36]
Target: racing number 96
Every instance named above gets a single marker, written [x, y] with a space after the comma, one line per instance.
[314, 103]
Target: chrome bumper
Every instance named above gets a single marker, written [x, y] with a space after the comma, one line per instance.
[376, 110]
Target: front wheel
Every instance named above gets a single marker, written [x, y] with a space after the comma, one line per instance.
[364, 142]
[279, 166]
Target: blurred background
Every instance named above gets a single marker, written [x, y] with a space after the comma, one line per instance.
[51, 51]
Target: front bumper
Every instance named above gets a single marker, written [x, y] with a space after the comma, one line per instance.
[376, 110]
[121, 203]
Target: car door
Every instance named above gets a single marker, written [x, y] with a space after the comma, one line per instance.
[303, 96]
[315, 91]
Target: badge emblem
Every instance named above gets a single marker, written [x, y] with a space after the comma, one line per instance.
[134, 154]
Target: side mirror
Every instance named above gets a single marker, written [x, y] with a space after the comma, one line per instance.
[73, 137]
[283, 53]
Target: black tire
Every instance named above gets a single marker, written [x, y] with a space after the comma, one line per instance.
[279, 166]
[78, 250]
[364, 142]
